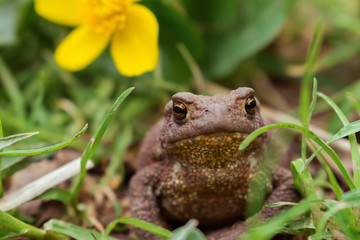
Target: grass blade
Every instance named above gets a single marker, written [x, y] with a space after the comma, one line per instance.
[354, 101]
[73, 230]
[352, 128]
[95, 142]
[12, 89]
[12, 225]
[116, 165]
[157, 230]
[306, 82]
[352, 138]
[343, 132]
[12, 235]
[188, 231]
[308, 185]
[313, 101]
[199, 81]
[10, 140]
[309, 71]
[304, 176]
[43, 150]
[58, 194]
[332, 179]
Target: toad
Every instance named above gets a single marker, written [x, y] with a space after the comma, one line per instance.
[189, 165]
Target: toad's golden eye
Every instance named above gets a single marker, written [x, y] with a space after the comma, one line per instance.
[179, 110]
[250, 105]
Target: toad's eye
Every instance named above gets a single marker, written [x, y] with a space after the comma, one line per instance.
[250, 105]
[179, 110]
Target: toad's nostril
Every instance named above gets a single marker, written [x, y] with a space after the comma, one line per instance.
[206, 111]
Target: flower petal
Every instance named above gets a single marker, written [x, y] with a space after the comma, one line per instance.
[81, 47]
[65, 12]
[135, 48]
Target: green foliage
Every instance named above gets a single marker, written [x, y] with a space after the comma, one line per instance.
[116, 166]
[341, 210]
[276, 224]
[229, 48]
[344, 215]
[19, 228]
[312, 135]
[302, 176]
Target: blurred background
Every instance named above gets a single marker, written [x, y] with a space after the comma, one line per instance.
[206, 46]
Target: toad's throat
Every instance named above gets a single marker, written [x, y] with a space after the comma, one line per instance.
[212, 151]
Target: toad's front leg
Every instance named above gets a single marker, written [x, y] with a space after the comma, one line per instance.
[143, 201]
[284, 191]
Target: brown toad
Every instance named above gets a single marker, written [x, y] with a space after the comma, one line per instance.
[190, 165]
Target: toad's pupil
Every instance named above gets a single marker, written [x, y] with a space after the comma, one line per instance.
[178, 109]
[252, 103]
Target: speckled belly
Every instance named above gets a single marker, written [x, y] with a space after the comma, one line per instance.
[209, 210]
[213, 199]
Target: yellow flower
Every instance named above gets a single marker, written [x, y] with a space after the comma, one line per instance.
[130, 28]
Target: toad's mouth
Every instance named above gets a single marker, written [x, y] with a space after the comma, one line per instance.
[215, 147]
[222, 139]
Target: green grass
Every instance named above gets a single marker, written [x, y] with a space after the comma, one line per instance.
[338, 216]
[13, 227]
